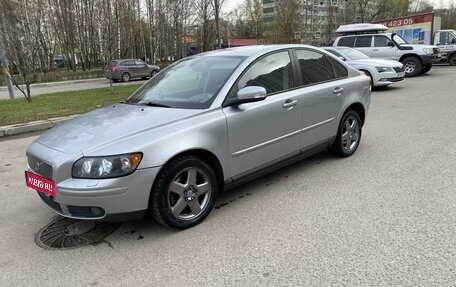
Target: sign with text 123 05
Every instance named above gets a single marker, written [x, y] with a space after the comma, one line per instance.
[40, 183]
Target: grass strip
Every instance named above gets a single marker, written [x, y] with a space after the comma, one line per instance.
[60, 104]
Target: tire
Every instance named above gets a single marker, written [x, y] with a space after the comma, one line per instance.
[184, 193]
[348, 135]
[426, 69]
[452, 60]
[412, 66]
[153, 73]
[126, 77]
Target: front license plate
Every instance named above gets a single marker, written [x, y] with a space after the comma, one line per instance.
[401, 74]
[40, 183]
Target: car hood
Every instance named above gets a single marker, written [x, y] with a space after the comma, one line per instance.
[109, 124]
[376, 62]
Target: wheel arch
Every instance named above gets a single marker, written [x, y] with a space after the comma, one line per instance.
[359, 109]
[411, 55]
[206, 156]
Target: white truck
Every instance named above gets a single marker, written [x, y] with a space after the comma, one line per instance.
[425, 29]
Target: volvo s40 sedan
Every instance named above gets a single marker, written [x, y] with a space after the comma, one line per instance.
[383, 72]
[203, 125]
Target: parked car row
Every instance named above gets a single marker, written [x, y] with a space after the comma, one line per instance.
[212, 121]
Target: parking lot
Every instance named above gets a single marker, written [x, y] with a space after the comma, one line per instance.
[383, 217]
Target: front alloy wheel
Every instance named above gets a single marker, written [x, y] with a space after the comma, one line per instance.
[183, 193]
[188, 194]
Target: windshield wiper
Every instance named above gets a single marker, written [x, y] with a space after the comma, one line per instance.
[155, 104]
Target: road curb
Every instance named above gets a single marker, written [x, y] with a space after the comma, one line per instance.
[34, 126]
[51, 84]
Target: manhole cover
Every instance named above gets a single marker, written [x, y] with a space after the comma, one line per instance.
[67, 233]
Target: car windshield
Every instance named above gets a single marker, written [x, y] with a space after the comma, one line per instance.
[398, 39]
[191, 83]
[352, 54]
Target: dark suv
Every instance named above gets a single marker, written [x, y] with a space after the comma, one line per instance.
[126, 69]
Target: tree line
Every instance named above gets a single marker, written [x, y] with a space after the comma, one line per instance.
[42, 35]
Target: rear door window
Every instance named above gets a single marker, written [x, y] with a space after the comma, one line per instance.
[314, 66]
[346, 42]
[339, 70]
[363, 41]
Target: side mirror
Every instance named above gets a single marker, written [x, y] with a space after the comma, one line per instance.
[248, 94]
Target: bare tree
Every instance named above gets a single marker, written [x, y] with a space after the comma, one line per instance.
[248, 20]
[20, 23]
[287, 21]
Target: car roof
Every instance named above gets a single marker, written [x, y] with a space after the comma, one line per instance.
[248, 51]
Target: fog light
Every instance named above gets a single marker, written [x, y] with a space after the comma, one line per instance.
[96, 211]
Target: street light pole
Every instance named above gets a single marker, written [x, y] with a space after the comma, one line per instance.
[4, 64]
[217, 23]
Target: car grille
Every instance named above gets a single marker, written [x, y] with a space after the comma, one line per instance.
[399, 69]
[40, 167]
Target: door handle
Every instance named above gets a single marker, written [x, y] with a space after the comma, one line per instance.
[338, 91]
[289, 103]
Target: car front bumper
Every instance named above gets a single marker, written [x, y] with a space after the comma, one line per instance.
[385, 79]
[119, 199]
[431, 59]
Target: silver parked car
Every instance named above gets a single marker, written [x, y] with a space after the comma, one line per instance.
[203, 125]
[383, 72]
[127, 69]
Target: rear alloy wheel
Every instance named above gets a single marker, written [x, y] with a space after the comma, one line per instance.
[412, 66]
[348, 135]
[184, 193]
[126, 77]
[452, 60]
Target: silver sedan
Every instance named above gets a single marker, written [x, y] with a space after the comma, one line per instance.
[201, 126]
[383, 72]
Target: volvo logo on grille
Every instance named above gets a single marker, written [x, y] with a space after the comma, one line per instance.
[37, 166]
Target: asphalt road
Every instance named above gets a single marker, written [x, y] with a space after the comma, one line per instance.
[383, 217]
[47, 88]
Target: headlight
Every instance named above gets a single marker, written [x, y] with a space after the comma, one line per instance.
[106, 166]
[384, 69]
[428, 51]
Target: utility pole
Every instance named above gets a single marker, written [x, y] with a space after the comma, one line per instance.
[217, 23]
[4, 65]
